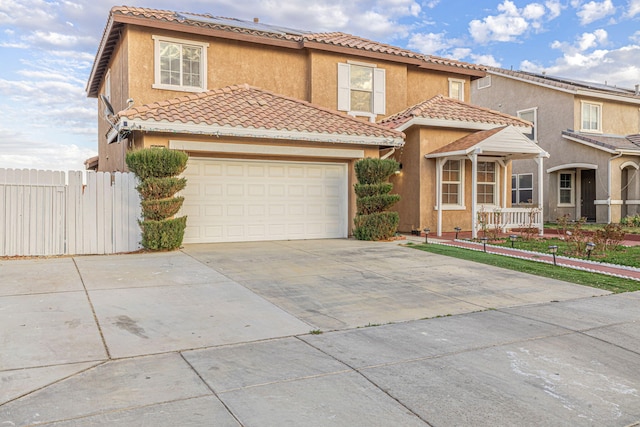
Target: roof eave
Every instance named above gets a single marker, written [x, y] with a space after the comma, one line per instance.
[457, 124]
[125, 124]
[609, 150]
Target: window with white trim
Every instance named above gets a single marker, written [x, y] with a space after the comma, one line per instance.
[591, 117]
[521, 188]
[486, 184]
[456, 89]
[530, 115]
[566, 189]
[180, 64]
[361, 89]
[484, 82]
[452, 183]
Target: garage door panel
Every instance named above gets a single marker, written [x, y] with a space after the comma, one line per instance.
[234, 200]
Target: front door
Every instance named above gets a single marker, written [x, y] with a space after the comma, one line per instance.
[588, 194]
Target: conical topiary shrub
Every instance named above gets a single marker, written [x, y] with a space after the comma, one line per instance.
[157, 170]
[373, 221]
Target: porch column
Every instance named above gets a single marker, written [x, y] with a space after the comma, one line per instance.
[474, 194]
[504, 191]
[439, 162]
[540, 162]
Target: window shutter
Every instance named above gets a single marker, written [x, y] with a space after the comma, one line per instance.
[344, 90]
[379, 91]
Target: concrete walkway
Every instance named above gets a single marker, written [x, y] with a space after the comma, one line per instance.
[222, 335]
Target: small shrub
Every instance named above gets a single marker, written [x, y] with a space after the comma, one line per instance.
[159, 209]
[160, 188]
[156, 162]
[609, 237]
[163, 235]
[376, 226]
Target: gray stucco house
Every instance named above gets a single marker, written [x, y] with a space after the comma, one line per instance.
[591, 132]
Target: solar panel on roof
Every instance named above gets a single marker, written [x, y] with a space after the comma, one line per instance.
[588, 85]
[247, 25]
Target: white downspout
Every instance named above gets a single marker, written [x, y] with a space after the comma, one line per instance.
[389, 154]
[609, 190]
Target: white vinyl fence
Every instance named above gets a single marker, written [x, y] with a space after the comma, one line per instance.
[48, 213]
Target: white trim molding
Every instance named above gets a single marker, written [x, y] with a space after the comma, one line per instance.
[632, 202]
[194, 129]
[608, 202]
[248, 149]
[630, 164]
[572, 166]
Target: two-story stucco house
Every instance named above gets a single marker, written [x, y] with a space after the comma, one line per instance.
[274, 120]
[591, 133]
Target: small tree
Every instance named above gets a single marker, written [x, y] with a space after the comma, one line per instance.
[373, 221]
[157, 168]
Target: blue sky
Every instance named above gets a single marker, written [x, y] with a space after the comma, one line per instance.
[47, 49]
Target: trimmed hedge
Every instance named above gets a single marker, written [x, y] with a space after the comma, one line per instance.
[159, 209]
[160, 188]
[372, 221]
[376, 226]
[368, 190]
[156, 168]
[377, 203]
[156, 162]
[163, 235]
[375, 171]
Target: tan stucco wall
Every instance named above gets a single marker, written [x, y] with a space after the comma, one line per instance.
[617, 118]
[417, 182]
[425, 84]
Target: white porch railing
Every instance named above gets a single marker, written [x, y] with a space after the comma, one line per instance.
[508, 218]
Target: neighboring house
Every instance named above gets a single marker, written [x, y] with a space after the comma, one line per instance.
[591, 133]
[274, 119]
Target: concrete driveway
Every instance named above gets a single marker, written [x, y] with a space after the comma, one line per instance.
[220, 335]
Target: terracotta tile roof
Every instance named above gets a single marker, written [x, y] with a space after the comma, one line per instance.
[443, 108]
[611, 142]
[247, 107]
[298, 38]
[565, 83]
[468, 141]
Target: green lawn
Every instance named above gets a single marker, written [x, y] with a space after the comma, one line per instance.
[629, 256]
[601, 281]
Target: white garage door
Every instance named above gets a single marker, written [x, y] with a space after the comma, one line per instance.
[239, 200]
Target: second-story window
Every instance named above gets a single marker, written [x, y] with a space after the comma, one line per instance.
[180, 64]
[591, 117]
[456, 89]
[361, 89]
[531, 115]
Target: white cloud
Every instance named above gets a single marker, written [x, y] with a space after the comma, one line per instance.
[488, 60]
[554, 7]
[633, 8]
[635, 37]
[430, 43]
[513, 22]
[58, 40]
[593, 11]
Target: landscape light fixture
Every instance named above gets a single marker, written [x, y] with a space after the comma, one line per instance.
[589, 249]
[484, 243]
[553, 249]
[513, 239]
[458, 229]
[426, 235]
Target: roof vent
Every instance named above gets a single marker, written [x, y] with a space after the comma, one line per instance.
[637, 89]
[256, 20]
